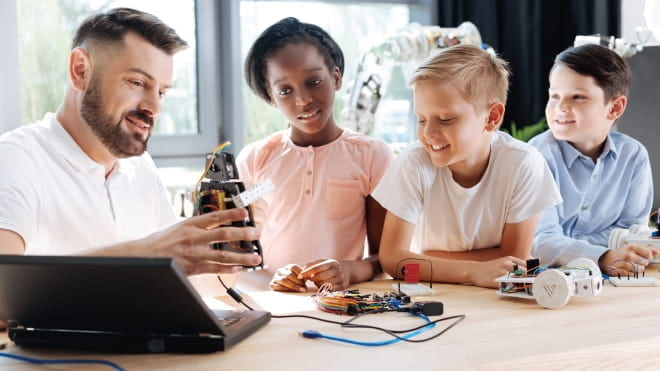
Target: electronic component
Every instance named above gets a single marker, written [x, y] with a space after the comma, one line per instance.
[552, 288]
[413, 289]
[219, 188]
[532, 265]
[352, 302]
[632, 281]
[411, 273]
[428, 308]
[251, 195]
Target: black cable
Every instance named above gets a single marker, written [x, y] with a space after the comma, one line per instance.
[239, 299]
[392, 333]
[458, 317]
[234, 294]
[308, 317]
[349, 324]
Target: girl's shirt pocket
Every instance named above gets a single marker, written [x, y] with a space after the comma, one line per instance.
[344, 197]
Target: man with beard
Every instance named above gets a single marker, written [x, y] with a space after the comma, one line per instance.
[80, 181]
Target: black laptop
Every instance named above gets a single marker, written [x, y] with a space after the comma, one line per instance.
[113, 304]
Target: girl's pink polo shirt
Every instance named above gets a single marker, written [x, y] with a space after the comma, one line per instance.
[318, 207]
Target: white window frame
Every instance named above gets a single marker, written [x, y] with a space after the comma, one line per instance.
[219, 70]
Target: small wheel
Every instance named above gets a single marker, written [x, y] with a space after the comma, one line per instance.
[584, 263]
[594, 274]
[552, 289]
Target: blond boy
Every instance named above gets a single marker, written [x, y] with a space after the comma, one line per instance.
[467, 196]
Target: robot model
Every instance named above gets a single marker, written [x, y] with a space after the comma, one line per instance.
[220, 188]
[619, 45]
[552, 288]
[637, 234]
[644, 34]
[411, 45]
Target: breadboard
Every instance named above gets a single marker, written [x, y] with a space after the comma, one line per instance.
[414, 289]
[633, 282]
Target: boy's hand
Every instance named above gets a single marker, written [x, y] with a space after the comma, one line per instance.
[326, 271]
[286, 279]
[488, 271]
[626, 260]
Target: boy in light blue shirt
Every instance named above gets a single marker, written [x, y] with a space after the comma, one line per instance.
[604, 177]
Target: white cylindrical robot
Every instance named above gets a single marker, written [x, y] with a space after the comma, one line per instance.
[554, 287]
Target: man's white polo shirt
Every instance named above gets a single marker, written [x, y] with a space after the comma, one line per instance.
[57, 198]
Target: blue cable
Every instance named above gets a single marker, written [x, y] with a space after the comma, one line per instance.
[312, 334]
[61, 361]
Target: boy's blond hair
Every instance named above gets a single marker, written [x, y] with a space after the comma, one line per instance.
[482, 78]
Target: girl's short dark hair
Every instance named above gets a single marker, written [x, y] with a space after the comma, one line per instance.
[611, 72]
[287, 31]
[111, 27]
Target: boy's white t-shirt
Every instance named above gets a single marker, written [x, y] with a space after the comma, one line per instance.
[516, 185]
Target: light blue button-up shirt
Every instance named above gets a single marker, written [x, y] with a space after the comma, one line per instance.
[614, 192]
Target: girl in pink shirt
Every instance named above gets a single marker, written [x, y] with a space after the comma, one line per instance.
[316, 221]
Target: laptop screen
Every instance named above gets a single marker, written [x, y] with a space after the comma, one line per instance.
[138, 295]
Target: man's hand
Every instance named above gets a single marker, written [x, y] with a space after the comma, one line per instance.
[626, 260]
[188, 242]
[326, 271]
[488, 271]
[287, 279]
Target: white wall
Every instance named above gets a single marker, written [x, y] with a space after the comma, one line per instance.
[631, 17]
[642, 112]
[10, 112]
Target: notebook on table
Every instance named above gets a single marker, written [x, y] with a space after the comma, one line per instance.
[113, 304]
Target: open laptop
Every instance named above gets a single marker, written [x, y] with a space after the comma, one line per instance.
[113, 304]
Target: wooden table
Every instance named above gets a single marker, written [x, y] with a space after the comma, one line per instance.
[620, 329]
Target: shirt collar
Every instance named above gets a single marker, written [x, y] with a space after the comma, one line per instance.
[570, 153]
[610, 147]
[286, 139]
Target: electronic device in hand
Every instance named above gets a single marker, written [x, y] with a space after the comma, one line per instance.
[220, 190]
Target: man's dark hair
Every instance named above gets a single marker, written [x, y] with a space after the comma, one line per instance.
[611, 72]
[112, 26]
[287, 31]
